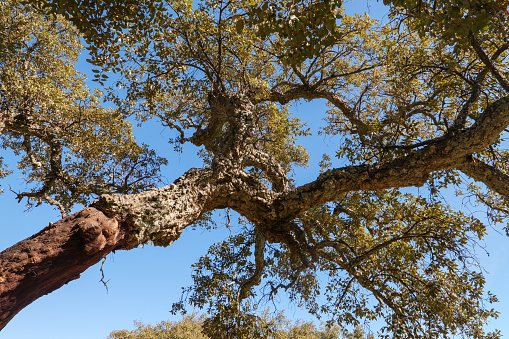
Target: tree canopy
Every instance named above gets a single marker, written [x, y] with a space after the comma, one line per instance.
[419, 101]
[267, 326]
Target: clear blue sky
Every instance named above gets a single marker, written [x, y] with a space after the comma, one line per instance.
[144, 282]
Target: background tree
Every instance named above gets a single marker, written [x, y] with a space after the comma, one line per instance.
[417, 102]
[266, 326]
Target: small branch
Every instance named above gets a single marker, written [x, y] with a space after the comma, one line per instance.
[358, 276]
[416, 145]
[374, 249]
[461, 119]
[476, 86]
[301, 76]
[53, 202]
[489, 61]
[24, 125]
[102, 275]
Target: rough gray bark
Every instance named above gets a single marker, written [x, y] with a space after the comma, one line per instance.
[159, 215]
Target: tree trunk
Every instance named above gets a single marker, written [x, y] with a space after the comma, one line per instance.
[62, 251]
[56, 255]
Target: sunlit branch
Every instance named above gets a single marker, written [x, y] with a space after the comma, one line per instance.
[461, 119]
[489, 61]
[358, 276]
[23, 126]
[410, 170]
[310, 93]
[406, 235]
[492, 177]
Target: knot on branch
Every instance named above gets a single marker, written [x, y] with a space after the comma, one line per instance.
[291, 235]
[97, 230]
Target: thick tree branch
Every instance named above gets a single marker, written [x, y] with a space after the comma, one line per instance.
[159, 215]
[231, 111]
[310, 93]
[410, 170]
[256, 278]
[63, 250]
[270, 166]
[206, 136]
[492, 177]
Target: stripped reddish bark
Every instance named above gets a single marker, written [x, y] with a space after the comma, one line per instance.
[53, 257]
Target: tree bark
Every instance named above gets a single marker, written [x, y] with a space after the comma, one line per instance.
[53, 257]
[61, 251]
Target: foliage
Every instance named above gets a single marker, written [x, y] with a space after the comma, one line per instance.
[454, 21]
[71, 148]
[265, 326]
[389, 247]
[190, 327]
[302, 25]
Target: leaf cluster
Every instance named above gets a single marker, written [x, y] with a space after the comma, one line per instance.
[453, 21]
[70, 147]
